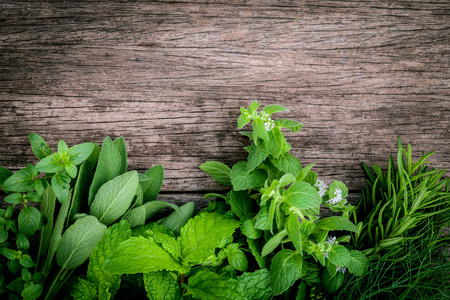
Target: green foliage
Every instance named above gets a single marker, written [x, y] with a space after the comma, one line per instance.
[278, 201]
[94, 191]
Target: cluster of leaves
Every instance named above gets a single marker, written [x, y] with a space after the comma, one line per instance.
[93, 189]
[278, 203]
[401, 216]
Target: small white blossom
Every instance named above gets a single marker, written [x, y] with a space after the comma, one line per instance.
[341, 269]
[337, 197]
[331, 240]
[322, 187]
[269, 125]
[264, 115]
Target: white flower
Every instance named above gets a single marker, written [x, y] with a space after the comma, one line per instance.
[264, 115]
[341, 269]
[331, 240]
[269, 125]
[322, 187]
[337, 197]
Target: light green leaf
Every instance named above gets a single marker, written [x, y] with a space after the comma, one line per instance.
[114, 198]
[292, 125]
[249, 230]
[110, 165]
[78, 242]
[50, 164]
[62, 147]
[167, 241]
[287, 163]
[274, 242]
[304, 172]
[336, 223]
[39, 146]
[176, 220]
[256, 285]
[285, 270]
[292, 226]
[218, 171]
[29, 220]
[253, 106]
[262, 219]
[303, 195]
[21, 181]
[141, 255]
[236, 257]
[202, 235]
[4, 174]
[96, 272]
[256, 156]
[339, 255]
[79, 153]
[274, 108]
[207, 285]
[84, 290]
[358, 263]
[276, 142]
[61, 186]
[243, 180]
[161, 285]
[260, 129]
[152, 187]
[71, 169]
[338, 185]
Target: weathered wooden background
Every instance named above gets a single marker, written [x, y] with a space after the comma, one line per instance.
[170, 77]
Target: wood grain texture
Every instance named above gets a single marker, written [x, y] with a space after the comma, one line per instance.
[170, 77]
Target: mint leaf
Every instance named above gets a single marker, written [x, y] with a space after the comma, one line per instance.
[256, 156]
[161, 285]
[249, 230]
[274, 108]
[276, 142]
[114, 198]
[29, 220]
[207, 285]
[78, 242]
[332, 284]
[141, 255]
[152, 187]
[50, 164]
[256, 285]
[236, 257]
[202, 235]
[274, 242]
[218, 171]
[96, 272]
[358, 263]
[260, 129]
[336, 223]
[243, 180]
[292, 226]
[21, 181]
[287, 163]
[168, 242]
[339, 255]
[292, 125]
[84, 290]
[241, 204]
[285, 269]
[39, 146]
[262, 218]
[79, 153]
[303, 195]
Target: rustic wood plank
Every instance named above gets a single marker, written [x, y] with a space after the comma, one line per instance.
[170, 77]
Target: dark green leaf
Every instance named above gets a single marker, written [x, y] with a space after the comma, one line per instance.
[218, 171]
[50, 164]
[79, 153]
[26, 261]
[29, 220]
[4, 174]
[256, 285]
[32, 292]
[243, 180]
[61, 186]
[176, 220]
[3, 235]
[84, 290]
[33, 197]
[15, 198]
[339, 256]
[303, 195]
[332, 284]
[358, 263]
[152, 187]
[22, 242]
[16, 285]
[161, 285]
[241, 204]
[285, 270]
[21, 181]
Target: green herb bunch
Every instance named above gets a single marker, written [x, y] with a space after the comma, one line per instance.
[93, 189]
[278, 203]
[401, 217]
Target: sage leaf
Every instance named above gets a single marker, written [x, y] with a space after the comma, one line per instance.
[47, 210]
[114, 198]
[285, 269]
[78, 242]
[137, 216]
[336, 223]
[152, 187]
[176, 220]
[29, 220]
[96, 272]
[218, 171]
[161, 285]
[110, 165]
[122, 147]
[202, 235]
[256, 285]
[207, 285]
[303, 195]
